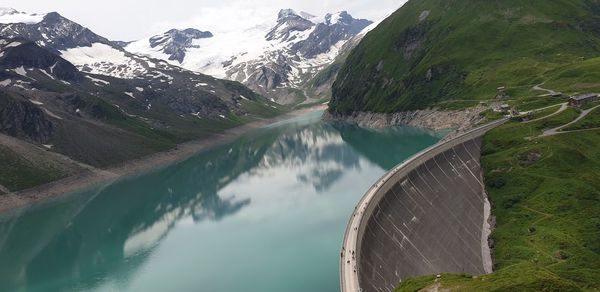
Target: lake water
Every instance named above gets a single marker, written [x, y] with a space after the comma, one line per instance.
[264, 213]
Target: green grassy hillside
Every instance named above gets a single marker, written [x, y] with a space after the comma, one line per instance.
[438, 50]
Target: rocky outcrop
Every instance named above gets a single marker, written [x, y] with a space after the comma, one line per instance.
[337, 27]
[175, 42]
[22, 119]
[430, 118]
[23, 53]
[288, 22]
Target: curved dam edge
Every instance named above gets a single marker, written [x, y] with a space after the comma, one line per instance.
[350, 260]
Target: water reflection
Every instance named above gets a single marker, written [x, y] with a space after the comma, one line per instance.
[106, 235]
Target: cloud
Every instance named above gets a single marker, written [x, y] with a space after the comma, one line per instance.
[130, 20]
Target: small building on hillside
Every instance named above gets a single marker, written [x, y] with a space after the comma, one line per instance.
[581, 99]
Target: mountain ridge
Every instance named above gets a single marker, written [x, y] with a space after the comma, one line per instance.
[271, 58]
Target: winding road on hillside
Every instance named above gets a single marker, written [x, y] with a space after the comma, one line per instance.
[558, 130]
[540, 88]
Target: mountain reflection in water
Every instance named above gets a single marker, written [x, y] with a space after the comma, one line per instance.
[102, 239]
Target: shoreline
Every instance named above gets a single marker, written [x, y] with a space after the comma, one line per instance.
[90, 178]
[434, 119]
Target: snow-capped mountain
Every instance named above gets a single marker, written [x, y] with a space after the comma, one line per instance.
[183, 91]
[88, 51]
[269, 57]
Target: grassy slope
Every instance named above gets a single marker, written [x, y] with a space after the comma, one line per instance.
[18, 173]
[547, 236]
[125, 137]
[466, 49]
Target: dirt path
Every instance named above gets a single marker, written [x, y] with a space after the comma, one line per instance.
[558, 130]
[539, 88]
[563, 107]
[91, 176]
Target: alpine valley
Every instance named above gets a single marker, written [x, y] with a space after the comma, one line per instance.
[67, 91]
[211, 159]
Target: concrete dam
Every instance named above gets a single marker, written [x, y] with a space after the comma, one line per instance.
[428, 215]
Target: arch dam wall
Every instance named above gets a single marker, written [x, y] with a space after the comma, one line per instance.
[428, 215]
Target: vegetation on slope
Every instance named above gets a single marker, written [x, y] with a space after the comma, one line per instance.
[433, 50]
[19, 173]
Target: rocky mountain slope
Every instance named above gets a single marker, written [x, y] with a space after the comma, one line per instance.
[438, 51]
[271, 58]
[48, 101]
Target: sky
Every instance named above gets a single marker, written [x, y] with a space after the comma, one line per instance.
[131, 20]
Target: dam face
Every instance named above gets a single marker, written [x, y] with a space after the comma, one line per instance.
[429, 222]
[427, 216]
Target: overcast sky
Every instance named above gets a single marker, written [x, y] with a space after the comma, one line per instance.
[131, 20]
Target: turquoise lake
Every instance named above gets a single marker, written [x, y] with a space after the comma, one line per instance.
[264, 213]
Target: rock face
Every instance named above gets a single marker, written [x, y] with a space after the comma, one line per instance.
[22, 119]
[430, 118]
[176, 42]
[337, 27]
[288, 22]
[269, 58]
[26, 54]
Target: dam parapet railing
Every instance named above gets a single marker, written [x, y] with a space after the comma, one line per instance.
[350, 253]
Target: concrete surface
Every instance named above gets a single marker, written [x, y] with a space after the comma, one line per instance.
[426, 216]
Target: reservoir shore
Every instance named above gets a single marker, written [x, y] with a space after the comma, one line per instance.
[93, 177]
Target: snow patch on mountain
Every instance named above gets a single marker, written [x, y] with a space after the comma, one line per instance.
[13, 44]
[333, 18]
[97, 81]
[5, 83]
[104, 60]
[21, 71]
[209, 54]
